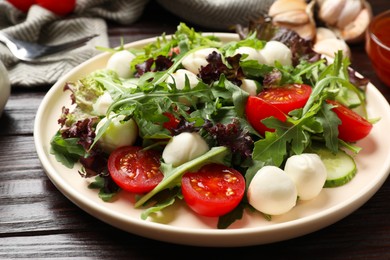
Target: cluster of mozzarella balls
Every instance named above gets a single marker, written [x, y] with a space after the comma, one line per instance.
[275, 191]
[272, 190]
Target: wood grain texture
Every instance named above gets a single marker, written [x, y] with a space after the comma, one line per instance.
[37, 221]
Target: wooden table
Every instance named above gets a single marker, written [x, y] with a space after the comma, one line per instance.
[37, 221]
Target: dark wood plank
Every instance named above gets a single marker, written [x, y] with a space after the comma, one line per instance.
[37, 221]
[19, 113]
[32, 208]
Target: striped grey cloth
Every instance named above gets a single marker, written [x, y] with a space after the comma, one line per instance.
[40, 25]
[89, 17]
[217, 14]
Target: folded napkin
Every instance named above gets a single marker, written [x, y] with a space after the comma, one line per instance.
[43, 26]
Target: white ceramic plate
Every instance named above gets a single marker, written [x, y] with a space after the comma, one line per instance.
[178, 224]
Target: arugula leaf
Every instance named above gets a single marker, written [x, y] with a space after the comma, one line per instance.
[329, 122]
[105, 194]
[165, 201]
[172, 175]
[272, 147]
[292, 134]
[226, 220]
[66, 151]
[249, 41]
[157, 207]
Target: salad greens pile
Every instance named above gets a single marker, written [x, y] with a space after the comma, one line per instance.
[215, 108]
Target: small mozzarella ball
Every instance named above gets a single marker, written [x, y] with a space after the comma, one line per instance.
[249, 86]
[179, 78]
[195, 60]
[183, 148]
[120, 63]
[118, 133]
[272, 191]
[102, 104]
[252, 53]
[308, 173]
[276, 51]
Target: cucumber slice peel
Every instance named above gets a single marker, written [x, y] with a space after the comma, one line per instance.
[341, 167]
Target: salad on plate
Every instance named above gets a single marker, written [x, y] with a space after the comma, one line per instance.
[255, 124]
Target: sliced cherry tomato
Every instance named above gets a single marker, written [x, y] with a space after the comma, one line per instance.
[213, 190]
[171, 123]
[287, 98]
[275, 102]
[63, 7]
[134, 169]
[353, 127]
[257, 109]
[22, 5]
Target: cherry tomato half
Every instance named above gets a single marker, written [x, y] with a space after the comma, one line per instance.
[134, 169]
[287, 98]
[213, 190]
[353, 127]
[275, 102]
[257, 109]
[62, 7]
[172, 122]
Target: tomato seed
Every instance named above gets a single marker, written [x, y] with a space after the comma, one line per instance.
[229, 192]
[230, 178]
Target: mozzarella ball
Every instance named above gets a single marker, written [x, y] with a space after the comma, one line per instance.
[276, 51]
[118, 133]
[250, 86]
[120, 63]
[195, 60]
[183, 148]
[272, 191]
[102, 104]
[252, 53]
[308, 173]
[179, 78]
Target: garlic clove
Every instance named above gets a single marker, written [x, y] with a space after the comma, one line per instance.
[349, 13]
[330, 10]
[323, 33]
[295, 15]
[329, 47]
[355, 31]
[292, 17]
[282, 6]
[306, 31]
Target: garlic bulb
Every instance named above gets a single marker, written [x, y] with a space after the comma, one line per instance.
[347, 18]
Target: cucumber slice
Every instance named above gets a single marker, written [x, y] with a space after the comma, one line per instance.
[340, 167]
[349, 98]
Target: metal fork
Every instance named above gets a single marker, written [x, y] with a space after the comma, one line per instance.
[28, 51]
